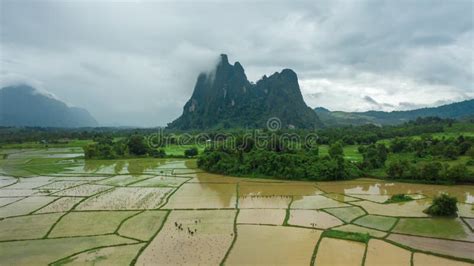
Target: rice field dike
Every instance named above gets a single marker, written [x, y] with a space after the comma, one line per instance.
[401, 195]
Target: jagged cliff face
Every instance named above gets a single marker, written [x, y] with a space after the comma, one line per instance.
[226, 99]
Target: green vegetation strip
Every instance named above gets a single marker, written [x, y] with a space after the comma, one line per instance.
[364, 238]
[126, 219]
[315, 251]
[234, 240]
[237, 192]
[287, 213]
[398, 198]
[134, 261]
[171, 194]
[365, 254]
[235, 225]
[68, 259]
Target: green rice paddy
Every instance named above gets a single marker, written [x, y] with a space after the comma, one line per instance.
[376, 222]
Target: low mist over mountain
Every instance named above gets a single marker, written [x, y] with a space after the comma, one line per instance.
[226, 99]
[337, 118]
[22, 105]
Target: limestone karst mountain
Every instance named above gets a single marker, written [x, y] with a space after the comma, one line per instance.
[225, 98]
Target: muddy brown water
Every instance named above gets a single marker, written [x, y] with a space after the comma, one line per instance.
[382, 253]
[273, 245]
[203, 196]
[261, 216]
[263, 204]
[366, 186]
[313, 218]
[420, 259]
[338, 252]
[211, 237]
[440, 246]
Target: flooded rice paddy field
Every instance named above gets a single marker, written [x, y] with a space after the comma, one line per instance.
[166, 211]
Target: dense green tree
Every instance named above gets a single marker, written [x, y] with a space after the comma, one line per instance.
[158, 153]
[470, 152]
[106, 151]
[374, 156]
[430, 171]
[399, 145]
[191, 152]
[336, 150]
[120, 148]
[419, 148]
[450, 152]
[443, 205]
[457, 173]
[399, 169]
[90, 151]
[287, 165]
[464, 146]
[244, 143]
[136, 145]
[103, 149]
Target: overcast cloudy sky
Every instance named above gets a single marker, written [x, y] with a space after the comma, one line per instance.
[135, 62]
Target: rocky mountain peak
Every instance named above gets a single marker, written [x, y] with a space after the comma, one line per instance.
[226, 98]
[223, 60]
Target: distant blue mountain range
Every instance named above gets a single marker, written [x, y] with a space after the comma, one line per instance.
[23, 105]
[459, 110]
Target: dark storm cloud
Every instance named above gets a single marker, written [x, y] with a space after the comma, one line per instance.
[135, 62]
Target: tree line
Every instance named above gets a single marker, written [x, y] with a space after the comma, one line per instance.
[276, 161]
[136, 145]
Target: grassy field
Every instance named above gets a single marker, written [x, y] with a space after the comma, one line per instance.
[37, 145]
[381, 172]
[350, 152]
[178, 150]
[435, 227]
[23, 159]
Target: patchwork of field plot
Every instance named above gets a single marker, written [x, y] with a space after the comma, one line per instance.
[173, 213]
[200, 237]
